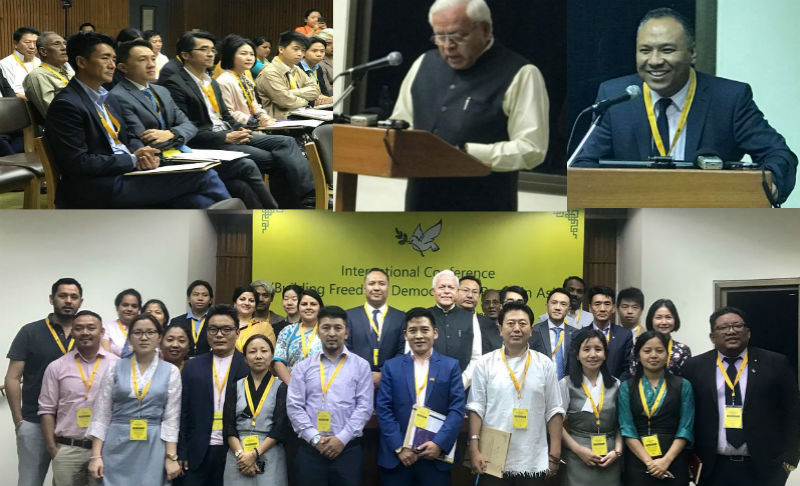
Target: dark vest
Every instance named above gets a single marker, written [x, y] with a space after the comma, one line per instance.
[439, 94]
[455, 334]
[665, 422]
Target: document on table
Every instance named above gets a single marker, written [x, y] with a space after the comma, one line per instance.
[316, 114]
[201, 155]
[284, 124]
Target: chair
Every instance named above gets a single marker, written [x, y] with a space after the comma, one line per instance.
[323, 136]
[51, 174]
[230, 204]
[14, 178]
[322, 197]
[15, 116]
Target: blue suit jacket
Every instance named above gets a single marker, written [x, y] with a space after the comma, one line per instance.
[361, 338]
[90, 171]
[620, 351]
[397, 394]
[540, 341]
[197, 404]
[723, 118]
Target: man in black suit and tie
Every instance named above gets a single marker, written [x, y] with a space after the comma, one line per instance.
[619, 339]
[469, 292]
[200, 99]
[153, 116]
[553, 337]
[747, 411]
[375, 330]
[93, 148]
[201, 446]
[200, 295]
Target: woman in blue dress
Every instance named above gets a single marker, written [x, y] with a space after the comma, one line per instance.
[298, 341]
[136, 417]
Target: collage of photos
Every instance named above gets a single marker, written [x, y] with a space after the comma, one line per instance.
[489, 242]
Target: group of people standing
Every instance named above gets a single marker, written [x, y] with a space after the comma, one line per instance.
[241, 395]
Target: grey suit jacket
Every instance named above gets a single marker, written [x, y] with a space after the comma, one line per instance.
[540, 341]
[140, 115]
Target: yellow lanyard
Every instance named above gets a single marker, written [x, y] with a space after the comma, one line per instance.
[517, 384]
[727, 379]
[651, 116]
[113, 133]
[659, 396]
[196, 335]
[560, 341]
[212, 98]
[326, 386]
[220, 385]
[248, 96]
[20, 62]
[62, 78]
[70, 343]
[639, 331]
[256, 410]
[421, 387]
[373, 324]
[87, 384]
[669, 351]
[139, 396]
[596, 408]
[314, 74]
[122, 329]
[293, 78]
[306, 346]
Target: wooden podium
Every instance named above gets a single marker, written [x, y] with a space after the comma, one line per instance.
[665, 188]
[416, 153]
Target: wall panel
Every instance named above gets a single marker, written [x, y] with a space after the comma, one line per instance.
[270, 17]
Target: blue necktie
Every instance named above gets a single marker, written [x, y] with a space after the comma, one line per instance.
[559, 354]
[735, 437]
[375, 321]
[149, 94]
[662, 123]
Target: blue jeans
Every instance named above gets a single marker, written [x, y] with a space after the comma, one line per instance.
[32, 455]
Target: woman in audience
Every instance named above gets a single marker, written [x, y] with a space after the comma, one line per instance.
[244, 301]
[255, 424]
[157, 309]
[175, 345]
[327, 61]
[312, 23]
[297, 341]
[263, 48]
[291, 297]
[656, 417]
[128, 302]
[136, 417]
[591, 430]
[238, 91]
[663, 317]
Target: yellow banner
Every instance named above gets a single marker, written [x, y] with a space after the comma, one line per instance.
[331, 252]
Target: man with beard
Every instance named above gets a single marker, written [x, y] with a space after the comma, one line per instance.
[553, 337]
[37, 345]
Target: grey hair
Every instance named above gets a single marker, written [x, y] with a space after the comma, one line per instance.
[444, 273]
[477, 10]
[268, 287]
[40, 41]
[325, 34]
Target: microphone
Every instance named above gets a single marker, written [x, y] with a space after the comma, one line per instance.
[631, 92]
[392, 59]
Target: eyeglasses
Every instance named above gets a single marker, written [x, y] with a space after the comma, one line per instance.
[206, 49]
[225, 331]
[442, 39]
[150, 334]
[736, 326]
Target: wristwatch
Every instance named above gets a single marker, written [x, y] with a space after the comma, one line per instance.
[238, 453]
[315, 440]
[172, 457]
[475, 437]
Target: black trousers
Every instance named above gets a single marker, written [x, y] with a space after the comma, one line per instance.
[314, 469]
[210, 471]
[727, 472]
[243, 180]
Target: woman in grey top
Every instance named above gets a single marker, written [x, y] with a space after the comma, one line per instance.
[591, 430]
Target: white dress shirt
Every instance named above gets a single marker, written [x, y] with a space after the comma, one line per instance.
[723, 447]
[14, 73]
[674, 116]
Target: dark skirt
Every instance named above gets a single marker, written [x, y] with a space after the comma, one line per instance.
[635, 472]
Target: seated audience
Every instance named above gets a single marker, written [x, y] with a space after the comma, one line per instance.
[327, 61]
[311, 26]
[263, 48]
[156, 43]
[238, 91]
[282, 85]
[87, 27]
[45, 81]
[311, 66]
[16, 66]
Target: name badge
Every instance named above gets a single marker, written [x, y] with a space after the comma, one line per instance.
[651, 445]
[324, 421]
[421, 419]
[519, 418]
[599, 445]
[375, 357]
[84, 416]
[139, 429]
[733, 418]
[217, 423]
[249, 442]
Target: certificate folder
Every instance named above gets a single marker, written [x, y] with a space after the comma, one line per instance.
[416, 436]
[494, 447]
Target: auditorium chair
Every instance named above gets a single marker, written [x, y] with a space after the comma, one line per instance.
[15, 116]
[322, 196]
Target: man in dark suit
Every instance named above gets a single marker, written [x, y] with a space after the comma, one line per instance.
[200, 99]
[469, 292]
[152, 115]
[619, 339]
[427, 379]
[375, 330]
[201, 296]
[201, 446]
[722, 116]
[93, 148]
[747, 418]
[553, 337]
[490, 304]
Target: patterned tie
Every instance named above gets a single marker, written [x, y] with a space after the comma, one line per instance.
[662, 123]
[559, 354]
[149, 94]
[375, 320]
[735, 436]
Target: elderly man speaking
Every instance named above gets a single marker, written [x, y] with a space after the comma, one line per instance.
[481, 97]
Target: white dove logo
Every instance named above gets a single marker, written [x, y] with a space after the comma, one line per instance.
[421, 241]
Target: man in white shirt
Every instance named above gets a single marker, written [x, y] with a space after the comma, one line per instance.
[22, 61]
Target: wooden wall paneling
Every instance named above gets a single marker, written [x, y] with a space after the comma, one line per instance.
[267, 17]
[110, 16]
[600, 253]
[234, 261]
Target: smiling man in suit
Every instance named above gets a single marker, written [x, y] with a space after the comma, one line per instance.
[747, 417]
[429, 380]
[620, 339]
[152, 115]
[93, 148]
[375, 330]
[553, 337]
[704, 111]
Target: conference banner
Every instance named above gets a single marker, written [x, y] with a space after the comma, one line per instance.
[331, 252]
